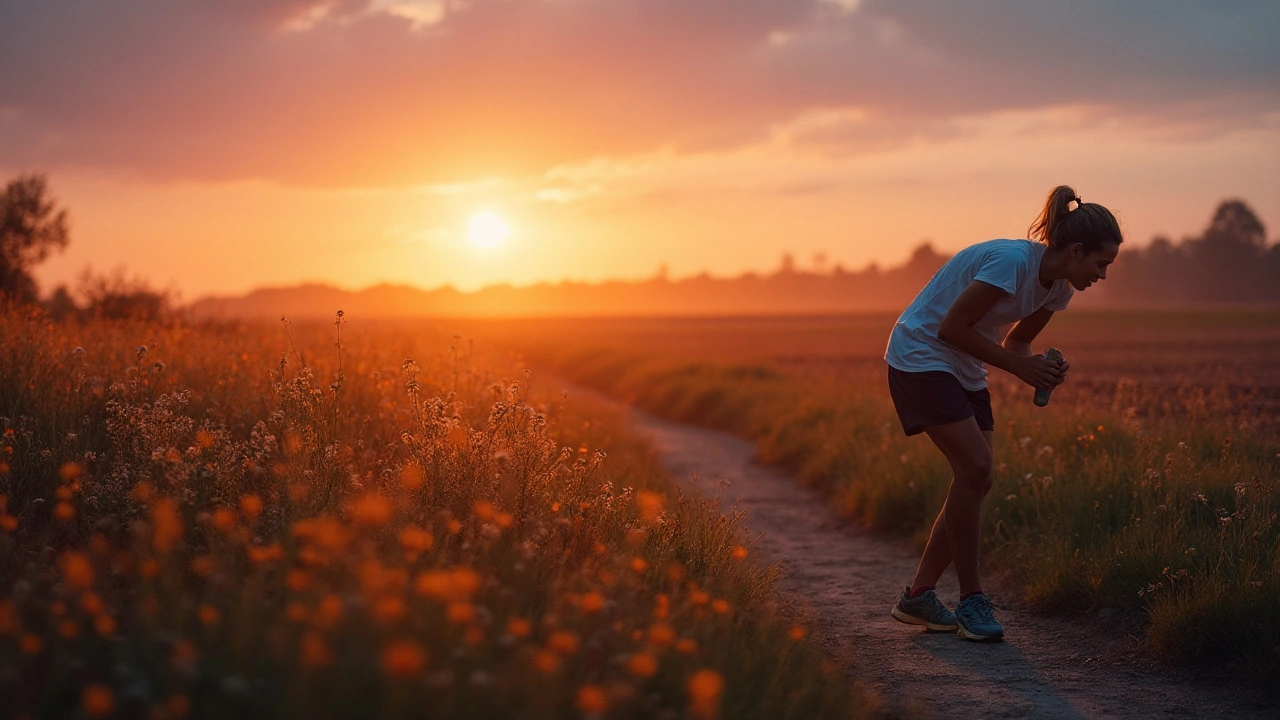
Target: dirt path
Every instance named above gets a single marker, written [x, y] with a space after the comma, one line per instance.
[1047, 668]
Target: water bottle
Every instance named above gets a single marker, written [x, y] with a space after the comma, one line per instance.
[1042, 396]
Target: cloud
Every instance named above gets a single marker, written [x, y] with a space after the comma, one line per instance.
[408, 92]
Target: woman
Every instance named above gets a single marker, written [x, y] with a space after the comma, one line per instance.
[938, 379]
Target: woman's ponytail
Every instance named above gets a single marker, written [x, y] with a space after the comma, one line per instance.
[1089, 224]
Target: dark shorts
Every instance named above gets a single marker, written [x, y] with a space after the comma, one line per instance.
[936, 398]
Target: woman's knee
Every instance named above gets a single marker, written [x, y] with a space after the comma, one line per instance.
[974, 469]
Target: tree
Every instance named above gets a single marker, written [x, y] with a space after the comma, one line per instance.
[32, 226]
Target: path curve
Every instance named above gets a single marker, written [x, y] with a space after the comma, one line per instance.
[848, 579]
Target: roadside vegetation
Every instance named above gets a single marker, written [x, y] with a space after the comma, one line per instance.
[1153, 498]
[339, 520]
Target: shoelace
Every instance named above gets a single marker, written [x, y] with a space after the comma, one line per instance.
[981, 607]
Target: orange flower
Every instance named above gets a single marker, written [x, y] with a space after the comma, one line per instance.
[504, 519]
[251, 506]
[97, 701]
[797, 633]
[592, 602]
[563, 642]
[403, 659]
[453, 585]
[204, 439]
[77, 570]
[705, 688]
[388, 610]
[314, 651]
[8, 617]
[592, 699]
[69, 471]
[31, 644]
[484, 510]
[68, 629]
[262, 554]
[296, 612]
[166, 526]
[224, 520]
[208, 615]
[185, 656]
[662, 606]
[460, 613]
[739, 552]
[642, 664]
[415, 541]
[63, 512]
[105, 625]
[650, 506]
[546, 661]
[202, 565]
[8, 523]
[454, 525]
[149, 568]
[329, 611]
[142, 492]
[661, 634]
[371, 510]
[519, 627]
[298, 580]
[686, 646]
[90, 603]
[699, 598]
[639, 564]
[719, 607]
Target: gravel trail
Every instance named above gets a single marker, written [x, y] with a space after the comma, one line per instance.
[848, 579]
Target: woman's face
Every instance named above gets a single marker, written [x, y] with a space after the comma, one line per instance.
[1089, 267]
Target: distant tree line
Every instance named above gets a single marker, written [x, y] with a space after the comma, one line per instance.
[1229, 262]
[33, 227]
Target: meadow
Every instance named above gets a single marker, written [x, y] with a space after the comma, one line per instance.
[1147, 493]
[360, 520]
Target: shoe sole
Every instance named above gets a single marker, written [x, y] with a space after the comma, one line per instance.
[962, 632]
[913, 620]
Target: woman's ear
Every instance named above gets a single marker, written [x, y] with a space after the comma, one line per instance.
[1077, 251]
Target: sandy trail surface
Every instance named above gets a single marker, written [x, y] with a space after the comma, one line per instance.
[848, 579]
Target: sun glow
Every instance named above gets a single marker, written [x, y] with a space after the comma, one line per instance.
[487, 230]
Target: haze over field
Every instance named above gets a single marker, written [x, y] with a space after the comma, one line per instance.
[217, 147]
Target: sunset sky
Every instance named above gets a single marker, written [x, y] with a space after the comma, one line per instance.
[215, 146]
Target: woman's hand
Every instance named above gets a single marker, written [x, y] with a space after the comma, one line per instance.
[1041, 373]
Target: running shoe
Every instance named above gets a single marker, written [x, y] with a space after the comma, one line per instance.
[926, 610]
[976, 620]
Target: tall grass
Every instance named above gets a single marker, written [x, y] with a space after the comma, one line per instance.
[201, 521]
[1096, 504]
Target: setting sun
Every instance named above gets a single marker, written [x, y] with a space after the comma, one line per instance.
[487, 230]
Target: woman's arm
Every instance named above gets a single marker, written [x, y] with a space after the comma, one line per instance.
[1018, 341]
[958, 330]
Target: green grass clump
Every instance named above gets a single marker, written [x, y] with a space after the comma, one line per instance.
[243, 520]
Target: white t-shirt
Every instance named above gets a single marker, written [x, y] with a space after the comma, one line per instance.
[1012, 266]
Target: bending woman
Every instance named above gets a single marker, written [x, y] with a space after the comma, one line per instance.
[937, 355]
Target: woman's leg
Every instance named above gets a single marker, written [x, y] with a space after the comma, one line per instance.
[956, 532]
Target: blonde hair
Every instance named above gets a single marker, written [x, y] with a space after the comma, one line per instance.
[1089, 224]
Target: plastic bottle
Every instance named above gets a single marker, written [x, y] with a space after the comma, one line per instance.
[1042, 396]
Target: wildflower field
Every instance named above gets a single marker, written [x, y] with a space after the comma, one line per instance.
[360, 520]
[1146, 494]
